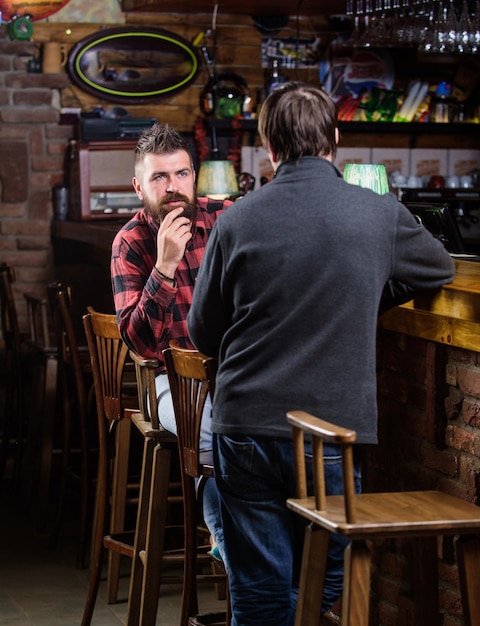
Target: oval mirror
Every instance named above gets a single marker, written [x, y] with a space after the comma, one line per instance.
[133, 64]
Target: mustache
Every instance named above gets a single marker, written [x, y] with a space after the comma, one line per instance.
[174, 197]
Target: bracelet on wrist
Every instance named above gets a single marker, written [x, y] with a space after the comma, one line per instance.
[165, 277]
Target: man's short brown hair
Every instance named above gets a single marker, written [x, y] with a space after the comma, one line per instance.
[298, 120]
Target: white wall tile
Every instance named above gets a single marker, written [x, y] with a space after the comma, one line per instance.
[428, 162]
[397, 160]
[462, 162]
[352, 155]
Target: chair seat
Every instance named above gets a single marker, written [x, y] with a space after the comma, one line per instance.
[412, 513]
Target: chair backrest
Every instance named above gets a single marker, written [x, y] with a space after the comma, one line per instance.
[8, 311]
[39, 322]
[68, 352]
[145, 370]
[108, 356]
[321, 431]
[191, 376]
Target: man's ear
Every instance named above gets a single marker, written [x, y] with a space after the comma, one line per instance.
[137, 187]
[337, 135]
[272, 155]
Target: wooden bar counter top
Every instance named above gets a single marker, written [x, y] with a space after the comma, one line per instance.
[450, 315]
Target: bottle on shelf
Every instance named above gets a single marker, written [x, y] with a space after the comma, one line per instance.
[275, 76]
[443, 105]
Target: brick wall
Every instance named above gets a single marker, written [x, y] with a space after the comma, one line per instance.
[429, 417]
[32, 149]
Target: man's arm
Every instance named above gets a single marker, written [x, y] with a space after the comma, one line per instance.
[421, 263]
[208, 318]
[143, 300]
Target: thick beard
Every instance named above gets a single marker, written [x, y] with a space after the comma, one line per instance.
[159, 210]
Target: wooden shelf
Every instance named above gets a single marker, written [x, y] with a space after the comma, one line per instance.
[415, 128]
[248, 7]
[411, 131]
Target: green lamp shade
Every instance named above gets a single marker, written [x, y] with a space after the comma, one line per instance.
[217, 179]
[368, 175]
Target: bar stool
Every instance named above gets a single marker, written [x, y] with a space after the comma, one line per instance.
[423, 515]
[108, 355]
[191, 377]
[42, 408]
[79, 445]
[13, 417]
[144, 544]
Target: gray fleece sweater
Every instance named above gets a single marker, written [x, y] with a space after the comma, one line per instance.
[288, 295]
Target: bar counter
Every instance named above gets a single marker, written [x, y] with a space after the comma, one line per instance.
[96, 233]
[82, 252]
[450, 315]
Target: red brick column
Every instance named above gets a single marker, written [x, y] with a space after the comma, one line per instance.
[32, 153]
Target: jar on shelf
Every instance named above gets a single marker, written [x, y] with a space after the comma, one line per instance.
[443, 105]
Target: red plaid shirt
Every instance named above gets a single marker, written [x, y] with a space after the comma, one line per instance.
[151, 311]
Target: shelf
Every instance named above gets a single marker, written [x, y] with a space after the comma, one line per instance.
[415, 128]
[412, 130]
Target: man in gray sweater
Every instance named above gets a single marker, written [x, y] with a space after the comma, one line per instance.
[288, 298]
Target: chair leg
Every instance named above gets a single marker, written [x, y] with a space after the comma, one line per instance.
[155, 539]
[312, 576]
[34, 392]
[46, 452]
[149, 536]
[97, 552]
[18, 416]
[425, 581]
[189, 591]
[66, 424]
[119, 500]
[468, 556]
[356, 585]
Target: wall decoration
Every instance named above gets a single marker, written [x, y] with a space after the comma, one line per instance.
[133, 65]
[36, 9]
[291, 52]
[81, 12]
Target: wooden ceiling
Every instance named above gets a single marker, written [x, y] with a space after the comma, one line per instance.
[240, 7]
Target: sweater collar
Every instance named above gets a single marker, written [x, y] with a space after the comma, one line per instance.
[307, 164]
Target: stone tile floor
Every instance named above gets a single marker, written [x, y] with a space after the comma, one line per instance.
[41, 587]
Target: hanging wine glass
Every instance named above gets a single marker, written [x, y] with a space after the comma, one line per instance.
[464, 30]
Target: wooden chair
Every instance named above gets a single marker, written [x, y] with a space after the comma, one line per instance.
[79, 443]
[42, 408]
[108, 355]
[418, 515]
[30, 371]
[144, 545]
[191, 377]
[150, 553]
[13, 418]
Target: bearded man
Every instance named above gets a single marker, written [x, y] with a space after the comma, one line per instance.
[156, 257]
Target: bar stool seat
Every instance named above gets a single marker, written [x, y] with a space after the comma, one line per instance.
[418, 515]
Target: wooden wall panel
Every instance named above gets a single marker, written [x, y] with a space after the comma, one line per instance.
[238, 50]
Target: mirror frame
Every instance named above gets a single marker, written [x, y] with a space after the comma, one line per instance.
[148, 40]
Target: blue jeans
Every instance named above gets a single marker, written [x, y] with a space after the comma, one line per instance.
[263, 539]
